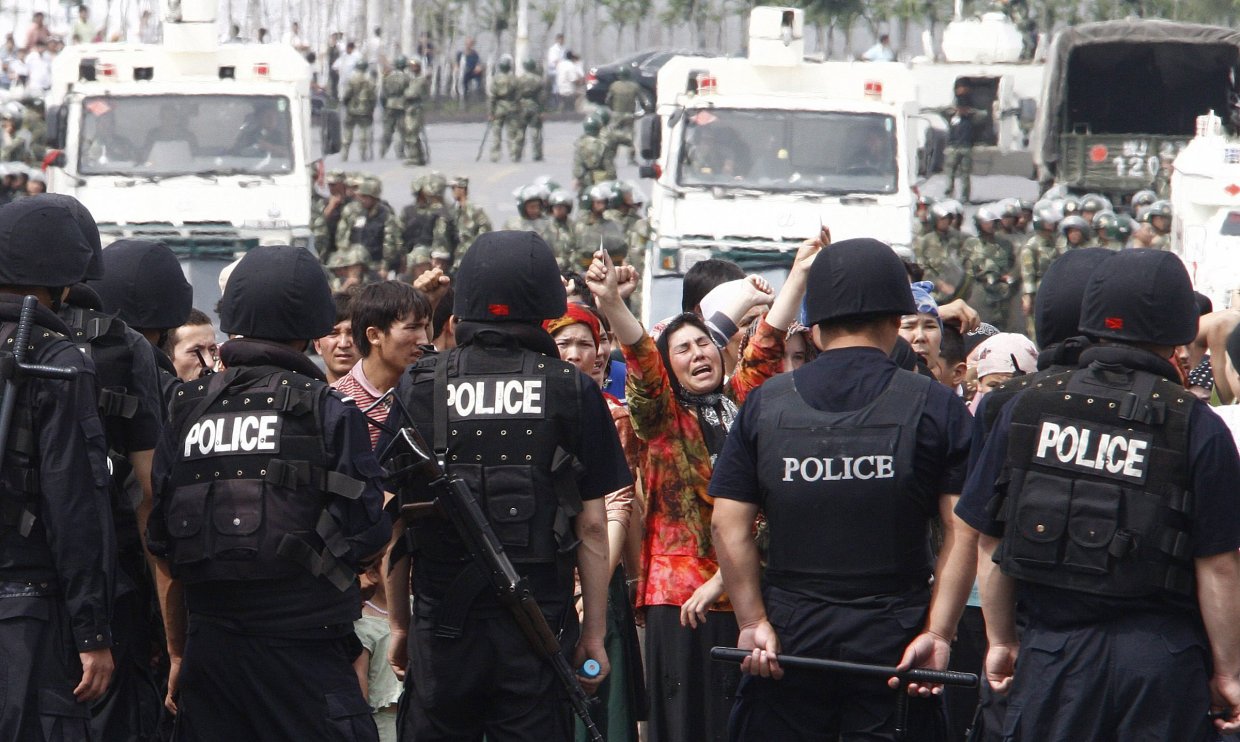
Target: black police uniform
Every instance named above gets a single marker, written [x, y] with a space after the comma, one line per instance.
[847, 457]
[57, 547]
[267, 501]
[131, 406]
[1105, 484]
[533, 438]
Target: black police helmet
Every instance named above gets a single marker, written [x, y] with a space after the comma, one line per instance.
[1141, 296]
[86, 222]
[278, 292]
[857, 277]
[144, 285]
[509, 276]
[41, 245]
[1057, 306]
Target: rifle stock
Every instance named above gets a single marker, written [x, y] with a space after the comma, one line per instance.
[455, 501]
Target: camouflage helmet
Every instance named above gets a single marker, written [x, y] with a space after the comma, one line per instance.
[1075, 221]
[1141, 199]
[415, 184]
[400, 62]
[505, 63]
[1119, 229]
[1094, 202]
[350, 256]
[1009, 208]
[335, 177]
[361, 66]
[591, 126]
[371, 186]
[459, 181]
[987, 214]
[561, 197]
[529, 65]
[354, 180]
[1046, 216]
[420, 254]
[1103, 220]
[434, 183]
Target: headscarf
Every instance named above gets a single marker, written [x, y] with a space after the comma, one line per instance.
[576, 314]
[715, 410]
[925, 301]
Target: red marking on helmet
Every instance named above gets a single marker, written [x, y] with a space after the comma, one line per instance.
[1115, 323]
[499, 310]
[1098, 153]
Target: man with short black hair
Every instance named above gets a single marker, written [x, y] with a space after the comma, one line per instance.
[337, 349]
[704, 276]
[391, 324]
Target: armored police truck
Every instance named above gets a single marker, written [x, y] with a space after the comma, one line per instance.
[1121, 99]
[754, 154]
[201, 145]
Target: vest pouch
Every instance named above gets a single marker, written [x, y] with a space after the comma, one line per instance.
[511, 503]
[237, 514]
[186, 513]
[1093, 518]
[1039, 521]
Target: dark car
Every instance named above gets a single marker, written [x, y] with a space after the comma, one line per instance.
[645, 68]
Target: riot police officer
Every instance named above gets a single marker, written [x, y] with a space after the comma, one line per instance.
[57, 546]
[268, 502]
[143, 285]
[848, 568]
[539, 463]
[1105, 495]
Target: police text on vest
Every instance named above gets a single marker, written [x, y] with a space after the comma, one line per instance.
[833, 469]
[496, 397]
[233, 433]
[1112, 453]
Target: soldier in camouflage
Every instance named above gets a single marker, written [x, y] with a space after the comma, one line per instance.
[560, 228]
[531, 104]
[963, 125]
[939, 253]
[471, 219]
[359, 105]
[994, 268]
[392, 96]
[34, 120]
[327, 216]
[610, 143]
[1075, 232]
[589, 157]
[15, 142]
[922, 223]
[1036, 255]
[428, 221]
[597, 228]
[530, 216]
[417, 93]
[1155, 229]
[371, 223]
[349, 267]
[623, 97]
[503, 106]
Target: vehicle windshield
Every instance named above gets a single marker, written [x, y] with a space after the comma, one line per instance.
[817, 151]
[163, 135]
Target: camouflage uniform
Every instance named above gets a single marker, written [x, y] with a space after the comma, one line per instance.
[35, 123]
[562, 241]
[348, 257]
[532, 102]
[1036, 255]
[589, 162]
[958, 155]
[622, 97]
[395, 84]
[541, 225]
[503, 109]
[430, 223]
[995, 271]
[592, 232]
[359, 105]
[471, 221]
[941, 255]
[359, 226]
[416, 95]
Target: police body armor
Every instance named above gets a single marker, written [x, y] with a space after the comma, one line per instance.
[503, 416]
[370, 232]
[419, 229]
[848, 471]
[1097, 487]
[24, 551]
[252, 481]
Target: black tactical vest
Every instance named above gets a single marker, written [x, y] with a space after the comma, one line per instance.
[832, 480]
[508, 420]
[251, 483]
[371, 232]
[1097, 484]
[420, 227]
[24, 551]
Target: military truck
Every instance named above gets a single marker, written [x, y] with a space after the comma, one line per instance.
[1121, 99]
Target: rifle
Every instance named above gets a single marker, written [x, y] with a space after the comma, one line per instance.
[13, 368]
[455, 500]
[945, 677]
[483, 143]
